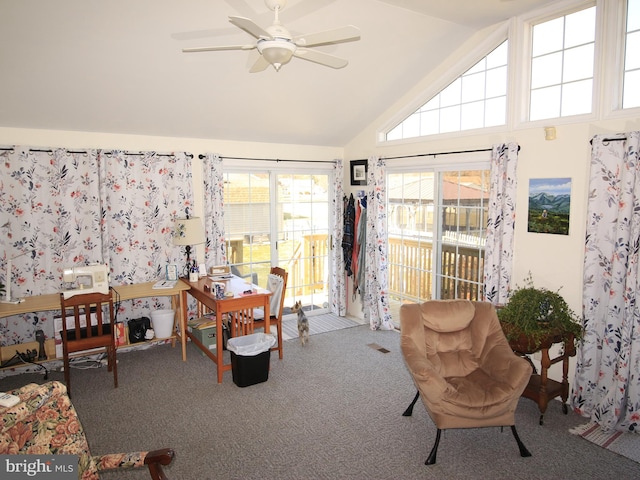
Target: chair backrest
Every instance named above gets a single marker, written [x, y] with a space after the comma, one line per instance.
[278, 289]
[90, 328]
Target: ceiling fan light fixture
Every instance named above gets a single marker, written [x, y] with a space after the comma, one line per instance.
[277, 52]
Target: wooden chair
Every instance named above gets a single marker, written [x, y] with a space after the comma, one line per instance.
[86, 336]
[277, 318]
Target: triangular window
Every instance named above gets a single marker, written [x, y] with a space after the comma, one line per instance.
[476, 99]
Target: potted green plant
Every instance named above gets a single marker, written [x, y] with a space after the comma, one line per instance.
[535, 318]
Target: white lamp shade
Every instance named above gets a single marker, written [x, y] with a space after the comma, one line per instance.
[188, 231]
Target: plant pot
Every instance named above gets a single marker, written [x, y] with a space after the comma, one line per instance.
[526, 344]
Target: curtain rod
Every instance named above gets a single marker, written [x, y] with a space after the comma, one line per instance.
[202, 156]
[619, 139]
[106, 153]
[435, 154]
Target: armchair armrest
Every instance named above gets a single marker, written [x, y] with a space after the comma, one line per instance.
[153, 460]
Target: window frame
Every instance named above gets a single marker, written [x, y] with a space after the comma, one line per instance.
[608, 75]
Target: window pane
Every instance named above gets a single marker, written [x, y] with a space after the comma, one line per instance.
[472, 115]
[580, 28]
[450, 119]
[495, 112]
[451, 95]
[395, 134]
[545, 103]
[576, 98]
[473, 87]
[499, 56]
[411, 126]
[632, 57]
[547, 37]
[631, 97]
[496, 82]
[546, 70]
[578, 63]
[429, 122]
[633, 15]
[432, 104]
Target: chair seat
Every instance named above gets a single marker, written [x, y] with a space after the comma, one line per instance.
[478, 395]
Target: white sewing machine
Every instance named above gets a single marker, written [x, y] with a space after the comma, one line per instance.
[86, 279]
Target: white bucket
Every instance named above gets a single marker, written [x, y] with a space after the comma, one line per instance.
[162, 323]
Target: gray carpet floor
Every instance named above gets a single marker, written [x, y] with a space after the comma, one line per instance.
[329, 410]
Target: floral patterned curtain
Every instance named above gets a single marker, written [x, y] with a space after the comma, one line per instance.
[67, 208]
[50, 219]
[607, 387]
[215, 248]
[338, 288]
[498, 253]
[143, 193]
[375, 294]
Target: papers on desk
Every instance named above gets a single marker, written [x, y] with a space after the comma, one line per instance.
[164, 284]
[220, 276]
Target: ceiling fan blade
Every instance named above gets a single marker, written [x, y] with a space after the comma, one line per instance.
[216, 49]
[250, 27]
[260, 65]
[320, 57]
[337, 35]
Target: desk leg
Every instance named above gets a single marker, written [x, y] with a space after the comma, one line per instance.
[267, 316]
[219, 354]
[182, 309]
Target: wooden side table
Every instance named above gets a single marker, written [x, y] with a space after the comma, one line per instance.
[540, 388]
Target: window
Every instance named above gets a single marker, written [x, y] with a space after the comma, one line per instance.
[280, 219]
[476, 99]
[631, 80]
[562, 61]
[436, 252]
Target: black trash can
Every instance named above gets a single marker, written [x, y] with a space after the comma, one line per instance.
[250, 355]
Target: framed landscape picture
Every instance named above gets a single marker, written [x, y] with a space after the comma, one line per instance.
[549, 205]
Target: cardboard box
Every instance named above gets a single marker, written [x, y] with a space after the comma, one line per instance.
[206, 336]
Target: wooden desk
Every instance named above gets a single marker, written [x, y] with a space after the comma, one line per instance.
[142, 290]
[41, 303]
[236, 303]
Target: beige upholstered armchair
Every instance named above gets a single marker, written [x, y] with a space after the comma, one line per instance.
[463, 367]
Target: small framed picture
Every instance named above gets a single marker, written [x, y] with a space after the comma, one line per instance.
[172, 272]
[358, 172]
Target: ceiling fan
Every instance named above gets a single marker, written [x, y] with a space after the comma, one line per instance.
[276, 45]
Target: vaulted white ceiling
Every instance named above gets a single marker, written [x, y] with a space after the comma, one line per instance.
[116, 66]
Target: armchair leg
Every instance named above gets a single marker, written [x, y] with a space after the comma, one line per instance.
[523, 450]
[409, 410]
[431, 459]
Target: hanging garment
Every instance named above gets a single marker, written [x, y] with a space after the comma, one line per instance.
[362, 249]
[348, 234]
[354, 255]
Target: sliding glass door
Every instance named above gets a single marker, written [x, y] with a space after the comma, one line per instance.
[282, 219]
[436, 234]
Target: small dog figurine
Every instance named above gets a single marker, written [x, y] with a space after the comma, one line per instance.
[303, 323]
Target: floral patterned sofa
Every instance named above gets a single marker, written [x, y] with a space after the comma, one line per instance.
[46, 422]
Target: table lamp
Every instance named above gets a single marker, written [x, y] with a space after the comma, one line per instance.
[188, 231]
